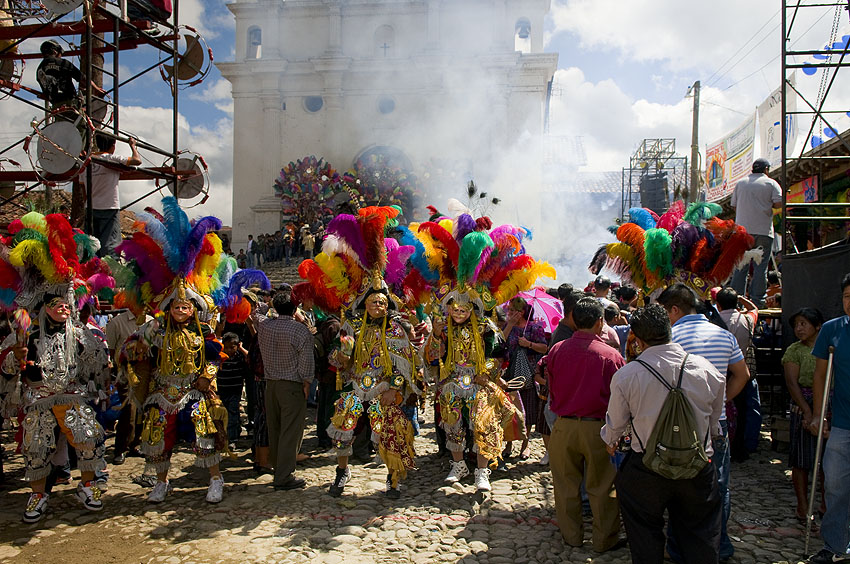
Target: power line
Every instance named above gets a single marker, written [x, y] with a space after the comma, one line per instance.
[753, 36]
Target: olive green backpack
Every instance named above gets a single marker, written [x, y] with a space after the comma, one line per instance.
[674, 449]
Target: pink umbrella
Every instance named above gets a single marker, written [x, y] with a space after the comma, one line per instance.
[544, 307]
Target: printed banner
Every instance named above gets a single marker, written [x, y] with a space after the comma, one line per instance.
[770, 122]
[729, 160]
[804, 191]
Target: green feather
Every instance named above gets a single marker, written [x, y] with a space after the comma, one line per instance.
[658, 250]
[470, 254]
[700, 212]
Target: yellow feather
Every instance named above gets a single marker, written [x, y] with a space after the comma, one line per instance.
[626, 254]
[206, 265]
[447, 224]
[334, 268]
[432, 252]
[147, 293]
[522, 280]
[32, 252]
[413, 226]
[35, 220]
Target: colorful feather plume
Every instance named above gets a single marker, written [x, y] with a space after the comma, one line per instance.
[418, 259]
[344, 237]
[642, 217]
[672, 217]
[736, 244]
[177, 229]
[700, 212]
[463, 226]
[658, 252]
[471, 252]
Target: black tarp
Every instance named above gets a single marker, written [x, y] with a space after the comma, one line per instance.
[813, 279]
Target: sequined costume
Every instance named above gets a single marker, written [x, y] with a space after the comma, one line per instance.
[382, 359]
[165, 386]
[66, 365]
[465, 402]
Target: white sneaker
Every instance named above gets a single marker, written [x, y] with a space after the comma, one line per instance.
[482, 479]
[215, 490]
[545, 459]
[159, 491]
[458, 472]
[36, 507]
[89, 494]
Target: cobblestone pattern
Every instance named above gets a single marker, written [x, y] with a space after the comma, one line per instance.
[432, 522]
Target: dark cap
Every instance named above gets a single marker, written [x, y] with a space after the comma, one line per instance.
[602, 282]
[51, 46]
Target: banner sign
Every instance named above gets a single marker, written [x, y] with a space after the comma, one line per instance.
[804, 191]
[729, 160]
[770, 123]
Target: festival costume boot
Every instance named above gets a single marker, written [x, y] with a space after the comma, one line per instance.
[343, 476]
[36, 507]
[458, 472]
[482, 479]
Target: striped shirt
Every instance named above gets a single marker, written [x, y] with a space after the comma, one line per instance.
[697, 335]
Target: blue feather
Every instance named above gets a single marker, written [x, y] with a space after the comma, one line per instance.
[195, 239]
[418, 259]
[7, 297]
[245, 279]
[642, 218]
[177, 228]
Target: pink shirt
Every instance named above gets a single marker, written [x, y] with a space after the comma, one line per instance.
[580, 371]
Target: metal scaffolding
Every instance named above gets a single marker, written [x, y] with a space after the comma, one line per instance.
[654, 166]
[104, 28]
[823, 54]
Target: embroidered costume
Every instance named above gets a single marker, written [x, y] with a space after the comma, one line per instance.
[48, 269]
[178, 268]
[472, 271]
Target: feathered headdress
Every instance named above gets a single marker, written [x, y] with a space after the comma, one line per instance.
[169, 257]
[356, 259]
[43, 255]
[684, 245]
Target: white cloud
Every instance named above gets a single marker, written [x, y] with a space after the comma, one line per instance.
[218, 94]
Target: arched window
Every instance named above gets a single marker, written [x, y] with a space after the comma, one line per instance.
[255, 43]
[522, 35]
[385, 42]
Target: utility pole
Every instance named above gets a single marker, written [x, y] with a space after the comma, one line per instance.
[693, 193]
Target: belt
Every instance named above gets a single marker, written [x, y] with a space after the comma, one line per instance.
[577, 418]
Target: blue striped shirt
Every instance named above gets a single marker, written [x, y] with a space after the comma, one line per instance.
[697, 335]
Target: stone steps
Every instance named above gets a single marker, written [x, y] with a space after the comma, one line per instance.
[278, 273]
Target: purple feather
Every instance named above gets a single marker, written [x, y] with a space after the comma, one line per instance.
[244, 279]
[685, 236]
[390, 244]
[485, 255]
[397, 263]
[195, 239]
[346, 228]
[464, 225]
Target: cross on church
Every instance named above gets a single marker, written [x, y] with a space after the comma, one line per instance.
[385, 47]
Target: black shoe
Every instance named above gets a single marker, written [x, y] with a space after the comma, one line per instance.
[343, 476]
[119, 458]
[393, 493]
[826, 556]
[292, 483]
[621, 543]
[260, 470]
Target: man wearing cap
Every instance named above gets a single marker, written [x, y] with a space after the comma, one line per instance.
[601, 288]
[754, 199]
[55, 76]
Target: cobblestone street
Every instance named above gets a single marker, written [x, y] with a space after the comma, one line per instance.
[430, 523]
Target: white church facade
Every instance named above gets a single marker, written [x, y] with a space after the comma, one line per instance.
[435, 81]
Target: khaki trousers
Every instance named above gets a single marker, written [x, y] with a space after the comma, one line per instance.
[286, 408]
[575, 451]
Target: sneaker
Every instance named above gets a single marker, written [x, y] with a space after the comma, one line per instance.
[159, 491]
[102, 484]
[458, 472]
[343, 476]
[544, 460]
[144, 480]
[89, 494]
[36, 508]
[825, 556]
[482, 479]
[215, 490]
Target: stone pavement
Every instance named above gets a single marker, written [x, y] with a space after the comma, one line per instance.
[432, 522]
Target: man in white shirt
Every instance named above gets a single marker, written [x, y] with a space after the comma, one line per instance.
[754, 200]
[104, 191]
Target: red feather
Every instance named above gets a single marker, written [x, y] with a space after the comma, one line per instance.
[416, 289]
[238, 313]
[148, 255]
[9, 277]
[94, 266]
[483, 223]
[15, 226]
[731, 252]
[155, 213]
[518, 263]
[446, 240]
[60, 241]
[326, 299]
[702, 255]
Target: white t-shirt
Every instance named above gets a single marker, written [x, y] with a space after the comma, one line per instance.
[753, 201]
[104, 181]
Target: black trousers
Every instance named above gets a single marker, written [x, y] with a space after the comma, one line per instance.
[694, 505]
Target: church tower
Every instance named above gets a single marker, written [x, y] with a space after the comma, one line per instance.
[429, 81]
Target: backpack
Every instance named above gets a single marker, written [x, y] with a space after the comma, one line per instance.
[674, 449]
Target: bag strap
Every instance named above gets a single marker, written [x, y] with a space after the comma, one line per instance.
[667, 385]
